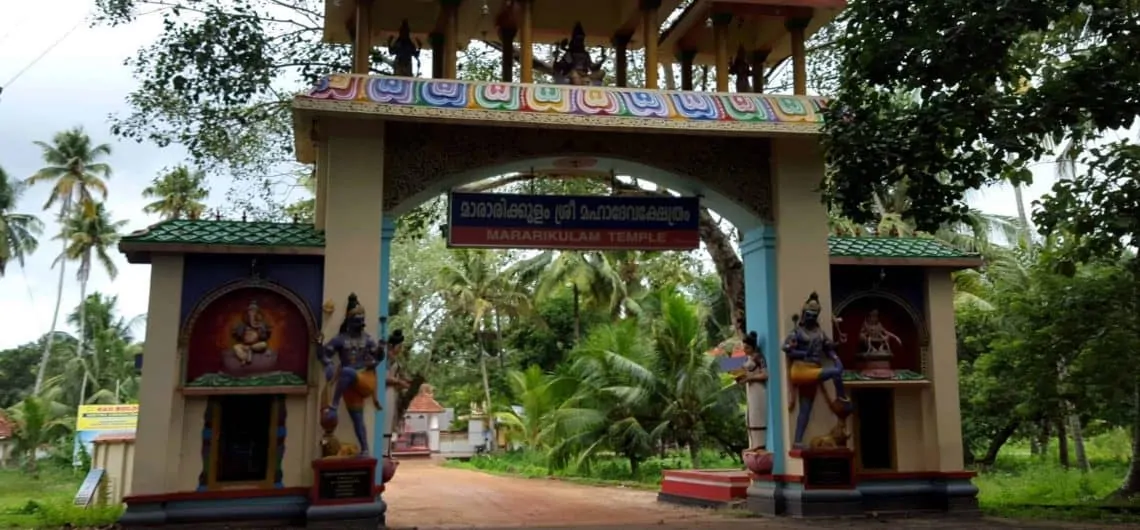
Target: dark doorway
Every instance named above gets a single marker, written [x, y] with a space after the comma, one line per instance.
[245, 440]
[875, 429]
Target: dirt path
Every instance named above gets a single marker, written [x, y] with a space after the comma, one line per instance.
[425, 495]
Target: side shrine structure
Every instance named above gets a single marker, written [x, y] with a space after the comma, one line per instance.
[271, 384]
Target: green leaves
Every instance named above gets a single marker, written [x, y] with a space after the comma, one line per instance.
[953, 95]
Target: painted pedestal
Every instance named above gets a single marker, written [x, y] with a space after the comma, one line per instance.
[709, 488]
[344, 495]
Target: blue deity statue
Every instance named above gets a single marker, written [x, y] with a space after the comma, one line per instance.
[354, 375]
[806, 346]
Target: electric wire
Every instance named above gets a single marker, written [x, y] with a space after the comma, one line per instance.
[44, 53]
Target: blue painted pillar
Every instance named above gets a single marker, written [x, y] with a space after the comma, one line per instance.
[380, 443]
[761, 310]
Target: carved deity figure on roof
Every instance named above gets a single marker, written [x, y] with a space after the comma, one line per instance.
[405, 50]
[742, 70]
[573, 63]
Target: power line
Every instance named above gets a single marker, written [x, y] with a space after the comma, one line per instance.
[45, 52]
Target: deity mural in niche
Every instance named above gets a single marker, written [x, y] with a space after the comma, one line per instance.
[349, 360]
[876, 340]
[755, 378]
[889, 336]
[405, 50]
[573, 64]
[248, 334]
[807, 346]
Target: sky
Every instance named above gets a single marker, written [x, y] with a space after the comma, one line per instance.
[80, 82]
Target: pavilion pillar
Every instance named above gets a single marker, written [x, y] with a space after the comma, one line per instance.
[382, 428]
[435, 40]
[450, 38]
[621, 70]
[762, 315]
[507, 40]
[757, 60]
[687, 57]
[362, 38]
[321, 193]
[650, 29]
[526, 40]
[352, 241]
[941, 406]
[720, 38]
[796, 29]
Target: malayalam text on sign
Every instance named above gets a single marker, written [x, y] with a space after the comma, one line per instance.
[494, 220]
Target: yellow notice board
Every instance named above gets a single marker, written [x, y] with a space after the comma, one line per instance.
[107, 418]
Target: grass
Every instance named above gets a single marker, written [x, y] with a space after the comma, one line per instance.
[1019, 485]
[47, 501]
[609, 471]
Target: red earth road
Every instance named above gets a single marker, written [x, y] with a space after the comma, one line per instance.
[425, 495]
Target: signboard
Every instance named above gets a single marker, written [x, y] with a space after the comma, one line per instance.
[494, 220]
[93, 420]
[344, 484]
[107, 418]
[88, 488]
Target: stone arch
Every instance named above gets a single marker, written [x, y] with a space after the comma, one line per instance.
[730, 173]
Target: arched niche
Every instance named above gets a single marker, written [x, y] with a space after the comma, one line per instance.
[897, 316]
[275, 326]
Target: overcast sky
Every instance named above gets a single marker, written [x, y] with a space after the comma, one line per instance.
[79, 83]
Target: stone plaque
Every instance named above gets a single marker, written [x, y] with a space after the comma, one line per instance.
[828, 471]
[344, 484]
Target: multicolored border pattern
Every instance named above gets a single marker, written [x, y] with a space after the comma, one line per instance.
[678, 108]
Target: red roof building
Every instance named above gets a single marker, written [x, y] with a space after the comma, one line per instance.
[424, 402]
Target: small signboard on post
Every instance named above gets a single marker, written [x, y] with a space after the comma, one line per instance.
[89, 487]
[495, 220]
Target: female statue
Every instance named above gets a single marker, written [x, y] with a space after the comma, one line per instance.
[755, 380]
[394, 383]
[876, 340]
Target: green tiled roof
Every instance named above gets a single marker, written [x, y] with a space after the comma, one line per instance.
[894, 247]
[263, 234]
[209, 232]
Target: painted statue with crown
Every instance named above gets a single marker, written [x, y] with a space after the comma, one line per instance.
[809, 349]
[349, 360]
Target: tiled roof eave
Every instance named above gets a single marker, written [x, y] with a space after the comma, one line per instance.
[141, 251]
[955, 263]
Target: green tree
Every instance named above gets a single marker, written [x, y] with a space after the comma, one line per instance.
[39, 421]
[90, 235]
[18, 231]
[180, 192]
[76, 172]
[930, 89]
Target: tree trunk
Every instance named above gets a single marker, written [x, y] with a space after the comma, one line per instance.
[1062, 444]
[729, 267]
[1022, 217]
[577, 317]
[695, 454]
[487, 395]
[997, 442]
[55, 314]
[1079, 443]
[82, 338]
[1039, 445]
[1131, 485]
[634, 465]
[499, 349]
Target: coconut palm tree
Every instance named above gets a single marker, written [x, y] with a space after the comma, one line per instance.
[477, 286]
[18, 231]
[39, 421]
[180, 192]
[90, 235]
[76, 172]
